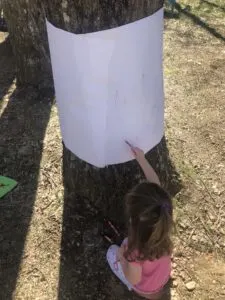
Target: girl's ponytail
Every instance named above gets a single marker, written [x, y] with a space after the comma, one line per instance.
[149, 208]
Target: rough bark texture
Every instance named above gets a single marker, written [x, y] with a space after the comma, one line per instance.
[26, 25]
[84, 16]
[104, 187]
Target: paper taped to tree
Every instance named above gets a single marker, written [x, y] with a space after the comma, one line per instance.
[109, 88]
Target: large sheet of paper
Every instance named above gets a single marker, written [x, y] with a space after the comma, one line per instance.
[109, 88]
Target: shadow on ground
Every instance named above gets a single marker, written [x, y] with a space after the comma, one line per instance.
[171, 14]
[198, 21]
[23, 123]
[212, 4]
[178, 11]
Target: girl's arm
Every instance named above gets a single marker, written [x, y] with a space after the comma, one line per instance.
[149, 172]
[131, 271]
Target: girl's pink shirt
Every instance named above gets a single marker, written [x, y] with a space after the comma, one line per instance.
[155, 274]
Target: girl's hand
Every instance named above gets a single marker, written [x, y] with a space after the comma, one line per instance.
[138, 154]
[149, 172]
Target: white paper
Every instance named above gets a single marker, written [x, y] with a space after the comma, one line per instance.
[109, 88]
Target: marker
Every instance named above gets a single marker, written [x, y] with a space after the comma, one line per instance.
[128, 144]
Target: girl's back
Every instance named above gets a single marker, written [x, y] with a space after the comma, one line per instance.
[155, 274]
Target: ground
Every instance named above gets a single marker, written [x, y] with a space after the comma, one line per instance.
[32, 218]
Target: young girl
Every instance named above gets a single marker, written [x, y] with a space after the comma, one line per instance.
[143, 261]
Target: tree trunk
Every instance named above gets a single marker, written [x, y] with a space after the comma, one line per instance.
[26, 25]
[106, 187]
[103, 187]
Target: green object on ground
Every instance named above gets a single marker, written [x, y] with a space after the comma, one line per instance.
[6, 185]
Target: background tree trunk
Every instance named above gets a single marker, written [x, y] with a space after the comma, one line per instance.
[26, 25]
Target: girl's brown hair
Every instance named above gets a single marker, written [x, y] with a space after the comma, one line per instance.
[149, 215]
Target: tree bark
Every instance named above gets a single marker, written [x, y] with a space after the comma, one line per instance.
[102, 187]
[106, 187]
[84, 16]
[28, 36]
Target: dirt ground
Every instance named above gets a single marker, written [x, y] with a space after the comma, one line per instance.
[37, 260]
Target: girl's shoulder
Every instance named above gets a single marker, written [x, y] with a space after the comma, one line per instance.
[135, 257]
